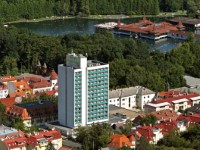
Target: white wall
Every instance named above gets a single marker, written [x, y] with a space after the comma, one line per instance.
[126, 102]
[3, 93]
[62, 102]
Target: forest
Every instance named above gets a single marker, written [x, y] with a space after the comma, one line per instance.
[131, 61]
[11, 10]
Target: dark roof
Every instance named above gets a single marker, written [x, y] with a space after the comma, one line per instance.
[194, 109]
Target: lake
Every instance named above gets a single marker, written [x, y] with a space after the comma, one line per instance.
[86, 26]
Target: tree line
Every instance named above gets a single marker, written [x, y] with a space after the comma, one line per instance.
[131, 61]
[22, 9]
[11, 10]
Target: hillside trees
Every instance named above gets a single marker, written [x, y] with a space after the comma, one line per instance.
[22, 9]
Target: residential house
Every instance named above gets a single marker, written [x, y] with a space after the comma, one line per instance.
[39, 140]
[160, 115]
[194, 109]
[120, 140]
[174, 103]
[167, 126]
[39, 84]
[189, 119]
[150, 133]
[131, 97]
[6, 79]
[34, 113]
[19, 88]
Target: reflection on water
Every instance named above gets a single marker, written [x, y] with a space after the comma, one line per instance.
[86, 26]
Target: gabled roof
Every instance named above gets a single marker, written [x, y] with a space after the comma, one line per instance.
[53, 75]
[7, 101]
[22, 85]
[41, 84]
[7, 78]
[120, 140]
[192, 118]
[130, 91]
[175, 99]
[38, 137]
[144, 131]
[27, 111]
[32, 139]
[166, 126]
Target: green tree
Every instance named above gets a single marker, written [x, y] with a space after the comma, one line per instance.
[148, 120]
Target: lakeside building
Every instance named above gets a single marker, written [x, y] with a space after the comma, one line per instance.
[83, 92]
[131, 97]
[147, 29]
[188, 22]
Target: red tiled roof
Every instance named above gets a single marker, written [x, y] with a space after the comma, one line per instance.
[23, 141]
[16, 112]
[118, 141]
[166, 114]
[144, 131]
[21, 85]
[7, 78]
[17, 94]
[169, 100]
[41, 84]
[169, 94]
[53, 75]
[193, 118]
[16, 142]
[48, 135]
[166, 126]
[7, 101]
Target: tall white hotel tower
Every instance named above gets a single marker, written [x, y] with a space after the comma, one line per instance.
[83, 91]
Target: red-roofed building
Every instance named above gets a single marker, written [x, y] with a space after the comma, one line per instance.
[120, 140]
[147, 29]
[19, 88]
[167, 126]
[7, 101]
[34, 113]
[151, 134]
[175, 103]
[189, 119]
[41, 140]
[6, 79]
[39, 84]
[37, 141]
[169, 94]
[160, 115]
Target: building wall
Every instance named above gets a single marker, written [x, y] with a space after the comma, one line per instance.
[144, 99]
[3, 93]
[98, 93]
[181, 106]
[62, 102]
[86, 94]
[44, 89]
[126, 102]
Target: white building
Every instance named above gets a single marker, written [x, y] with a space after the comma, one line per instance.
[131, 97]
[83, 91]
[3, 91]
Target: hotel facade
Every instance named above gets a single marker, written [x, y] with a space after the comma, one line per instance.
[83, 91]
